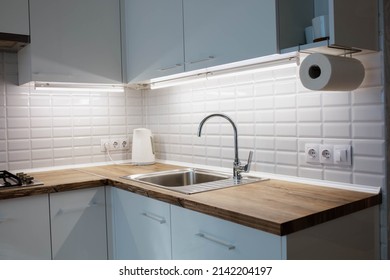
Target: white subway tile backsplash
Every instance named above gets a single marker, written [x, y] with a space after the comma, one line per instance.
[368, 113]
[336, 98]
[265, 156]
[18, 112]
[15, 156]
[17, 100]
[286, 170]
[18, 133]
[282, 115]
[41, 143]
[286, 144]
[42, 122]
[41, 154]
[265, 116]
[338, 176]
[337, 130]
[336, 114]
[18, 122]
[375, 148]
[286, 129]
[56, 128]
[371, 95]
[368, 131]
[368, 179]
[285, 101]
[264, 89]
[285, 87]
[40, 112]
[311, 173]
[309, 99]
[41, 133]
[369, 164]
[274, 113]
[62, 112]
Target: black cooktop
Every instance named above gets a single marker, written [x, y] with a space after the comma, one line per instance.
[7, 180]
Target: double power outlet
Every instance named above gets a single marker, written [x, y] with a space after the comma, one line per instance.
[115, 144]
[340, 155]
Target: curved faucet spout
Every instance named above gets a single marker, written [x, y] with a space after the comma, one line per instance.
[236, 160]
[237, 167]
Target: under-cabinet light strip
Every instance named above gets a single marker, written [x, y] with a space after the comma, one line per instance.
[48, 86]
[232, 69]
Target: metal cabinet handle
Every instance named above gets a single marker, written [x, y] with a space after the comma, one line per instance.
[202, 60]
[161, 220]
[215, 240]
[170, 67]
[76, 209]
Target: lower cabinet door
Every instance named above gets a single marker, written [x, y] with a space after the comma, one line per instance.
[199, 236]
[141, 227]
[78, 224]
[25, 228]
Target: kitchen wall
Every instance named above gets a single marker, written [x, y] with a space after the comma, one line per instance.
[45, 129]
[274, 113]
[275, 116]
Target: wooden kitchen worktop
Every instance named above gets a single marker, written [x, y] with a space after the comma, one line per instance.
[276, 206]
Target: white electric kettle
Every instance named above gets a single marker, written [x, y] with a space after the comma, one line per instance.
[142, 147]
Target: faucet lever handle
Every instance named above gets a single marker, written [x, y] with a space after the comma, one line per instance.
[247, 167]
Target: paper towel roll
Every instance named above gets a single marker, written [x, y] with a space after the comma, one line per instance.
[328, 72]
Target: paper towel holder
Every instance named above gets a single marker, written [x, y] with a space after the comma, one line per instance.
[331, 73]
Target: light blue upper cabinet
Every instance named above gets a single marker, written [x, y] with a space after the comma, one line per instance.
[14, 17]
[174, 36]
[76, 41]
[153, 31]
[222, 31]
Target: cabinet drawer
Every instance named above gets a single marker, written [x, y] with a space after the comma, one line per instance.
[199, 236]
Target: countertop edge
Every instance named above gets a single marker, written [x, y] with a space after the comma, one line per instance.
[280, 229]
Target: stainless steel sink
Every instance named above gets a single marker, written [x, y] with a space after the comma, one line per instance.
[190, 180]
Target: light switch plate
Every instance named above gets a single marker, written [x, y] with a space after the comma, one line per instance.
[342, 155]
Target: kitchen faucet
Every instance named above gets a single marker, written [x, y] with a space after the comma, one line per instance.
[237, 166]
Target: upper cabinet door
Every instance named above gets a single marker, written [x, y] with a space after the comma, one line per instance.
[352, 25]
[14, 17]
[154, 38]
[75, 41]
[222, 31]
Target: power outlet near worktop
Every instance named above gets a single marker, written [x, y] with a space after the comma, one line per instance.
[337, 155]
[115, 144]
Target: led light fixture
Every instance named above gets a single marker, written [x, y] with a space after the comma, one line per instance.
[269, 62]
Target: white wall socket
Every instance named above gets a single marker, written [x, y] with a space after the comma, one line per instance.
[339, 155]
[115, 144]
[312, 153]
[326, 154]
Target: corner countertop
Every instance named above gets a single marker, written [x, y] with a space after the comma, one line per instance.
[275, 206]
